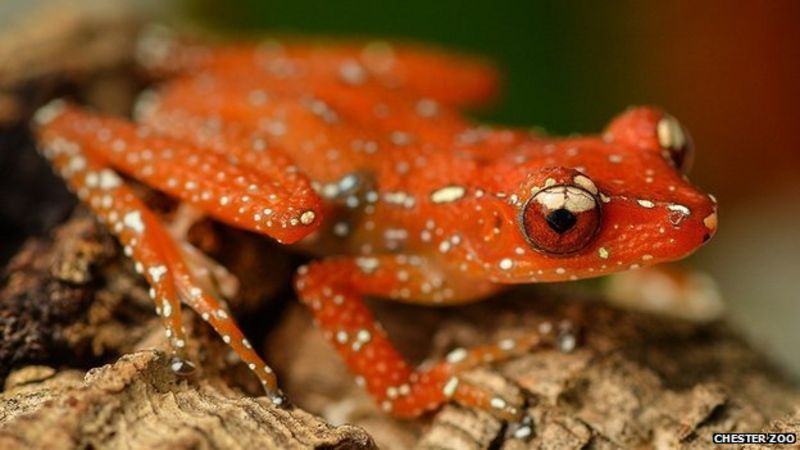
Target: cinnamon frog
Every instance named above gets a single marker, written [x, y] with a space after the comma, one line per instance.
[358, 154]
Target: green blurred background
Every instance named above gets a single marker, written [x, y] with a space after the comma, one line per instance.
[730, 71]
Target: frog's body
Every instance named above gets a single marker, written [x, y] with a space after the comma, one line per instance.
[359, 155]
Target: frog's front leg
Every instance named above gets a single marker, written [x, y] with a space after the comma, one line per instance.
[276, 201]
[333, 290]
[155, 254]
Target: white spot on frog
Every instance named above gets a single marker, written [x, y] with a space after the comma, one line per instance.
[109, 179]
[448, 194]
[156, 272]
[133, 220]
[368, 265]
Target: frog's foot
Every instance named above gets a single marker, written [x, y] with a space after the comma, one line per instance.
[211, 275]
[181, 366]
[521, 429]
[333, 290]
[668, 290]
[144, 238]
[183, 219]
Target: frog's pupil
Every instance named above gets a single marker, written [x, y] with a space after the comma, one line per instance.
[561, 220]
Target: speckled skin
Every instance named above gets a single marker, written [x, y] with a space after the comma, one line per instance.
[358, 154]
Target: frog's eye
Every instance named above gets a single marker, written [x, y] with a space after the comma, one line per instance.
[676, 144]
[560, 220]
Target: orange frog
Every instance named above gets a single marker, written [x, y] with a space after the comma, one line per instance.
[357, 153]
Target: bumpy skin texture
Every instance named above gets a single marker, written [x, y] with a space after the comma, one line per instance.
[357, 153]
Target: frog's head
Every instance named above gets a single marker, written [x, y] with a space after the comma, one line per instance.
[577, 208]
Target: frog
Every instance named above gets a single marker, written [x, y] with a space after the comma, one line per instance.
[361, 155]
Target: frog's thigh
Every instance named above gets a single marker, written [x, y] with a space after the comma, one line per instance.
[333, 289]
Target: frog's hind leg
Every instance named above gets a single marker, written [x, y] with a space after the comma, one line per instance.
[333, 290]
[449, 78]
[146, 241]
